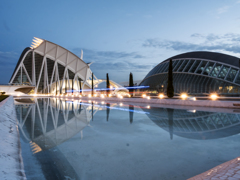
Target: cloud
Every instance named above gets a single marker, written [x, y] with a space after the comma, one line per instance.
[93, 55]
[8, 58]
[228, 42]
[114, 61]
[223, 9]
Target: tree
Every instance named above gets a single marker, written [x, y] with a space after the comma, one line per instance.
[108, 110]
[170, 121]
[92, 84]
[131, 90]
[131, 110]
[108, 85]
[80, 87]
[170, 89]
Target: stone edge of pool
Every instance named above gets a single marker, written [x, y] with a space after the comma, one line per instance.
[227, 170]
[11, 159]
[179, 102]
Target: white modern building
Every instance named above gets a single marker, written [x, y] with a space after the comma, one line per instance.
[47, 68]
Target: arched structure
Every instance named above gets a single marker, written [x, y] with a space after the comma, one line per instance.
[197, 73]
[198, 125]
[51, 68]
[58, 120]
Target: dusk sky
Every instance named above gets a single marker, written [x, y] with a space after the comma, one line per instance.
[119, 36]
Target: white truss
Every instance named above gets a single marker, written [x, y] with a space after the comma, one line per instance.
[61, 56]
[48, 113]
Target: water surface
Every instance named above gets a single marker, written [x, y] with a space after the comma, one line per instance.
[64, 139]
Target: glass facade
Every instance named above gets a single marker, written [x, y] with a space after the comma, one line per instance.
[195, 76]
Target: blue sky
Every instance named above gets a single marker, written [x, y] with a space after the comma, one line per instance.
[119, 36]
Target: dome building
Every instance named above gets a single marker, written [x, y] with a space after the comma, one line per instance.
[197, 73]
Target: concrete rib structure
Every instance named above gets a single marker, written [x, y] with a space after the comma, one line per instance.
[197, 73]
[51, 69]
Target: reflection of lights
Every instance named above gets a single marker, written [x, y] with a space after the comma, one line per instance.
[110, 107]
[148, 107]
[184, 96]
[194, 99]
[192, 111]
[148, 97]
[161, 96]
[121, 104]
[213, 96]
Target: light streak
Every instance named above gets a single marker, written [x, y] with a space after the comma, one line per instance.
[117, 108]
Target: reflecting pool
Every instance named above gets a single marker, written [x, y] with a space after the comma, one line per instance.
[65, 139]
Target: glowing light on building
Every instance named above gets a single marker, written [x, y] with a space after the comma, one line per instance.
[161, 96]
[213, 96]
[184, 96]
[36, 42]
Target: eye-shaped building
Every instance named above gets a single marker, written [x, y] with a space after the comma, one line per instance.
[197, 73]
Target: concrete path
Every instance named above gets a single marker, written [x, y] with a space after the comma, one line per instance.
[11, 166]
[229, 170]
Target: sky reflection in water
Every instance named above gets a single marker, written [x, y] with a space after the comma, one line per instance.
[91, 140]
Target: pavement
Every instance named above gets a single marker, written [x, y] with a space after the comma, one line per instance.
[10, 149]
[229, 170]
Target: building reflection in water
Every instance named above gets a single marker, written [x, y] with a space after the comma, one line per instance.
[108, 110]
[131, 111]
[46, 123]
[194, 124]
[53, 121]
[170, 121]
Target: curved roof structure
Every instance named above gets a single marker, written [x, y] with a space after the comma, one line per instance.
[47, 65]
[197, 73]
[200, 125]
[224, 58]
[58, 121]
[53, 69]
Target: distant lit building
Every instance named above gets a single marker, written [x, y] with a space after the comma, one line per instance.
[197, 73]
